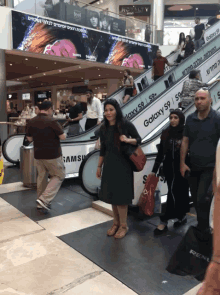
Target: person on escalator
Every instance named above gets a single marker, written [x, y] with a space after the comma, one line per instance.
[75, 115]
[191, 86]
[178, 188]
[199, 33]
[117, 183]
[159, 65]
[128, 83]
[180, 46]
[94, 110]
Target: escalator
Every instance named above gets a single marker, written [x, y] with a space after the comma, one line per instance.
[147, 110]
[89, 165]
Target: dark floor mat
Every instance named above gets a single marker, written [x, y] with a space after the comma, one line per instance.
[138, 261]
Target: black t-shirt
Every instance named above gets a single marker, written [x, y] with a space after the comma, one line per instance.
[45, 132]
[198, 31]
[74, 113]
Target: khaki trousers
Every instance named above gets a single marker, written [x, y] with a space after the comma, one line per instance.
[46, 191]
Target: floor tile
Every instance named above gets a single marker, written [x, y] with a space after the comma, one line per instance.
[12, 187]
[5, 290]
[8, 213]
[104, 284]
[41, 263]
[17, 227]
[11, 174]
[74, 221]
[194, 290]
[65, 202]
[138, 261]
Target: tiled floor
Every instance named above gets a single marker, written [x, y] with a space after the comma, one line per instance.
[67, 251]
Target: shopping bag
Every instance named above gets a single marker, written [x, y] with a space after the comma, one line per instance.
[157, 202]
[147, 201]
[192, 255]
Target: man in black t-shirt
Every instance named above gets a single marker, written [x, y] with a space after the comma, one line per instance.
[199, 34]
[75, 115]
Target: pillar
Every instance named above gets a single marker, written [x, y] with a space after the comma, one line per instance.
[3, 97]
[54, 97]
[158, 21]
[112, 86]
[10, 3]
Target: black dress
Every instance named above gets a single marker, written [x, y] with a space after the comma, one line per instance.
[117, 185]
[178, 189]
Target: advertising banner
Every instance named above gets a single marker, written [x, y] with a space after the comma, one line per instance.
[42, 35]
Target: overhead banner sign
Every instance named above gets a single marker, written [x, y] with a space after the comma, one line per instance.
[135, 10]
[42, 35]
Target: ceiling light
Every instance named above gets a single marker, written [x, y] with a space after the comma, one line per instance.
[99, 75]
[55, 63]
[18, 79]
[41, 83]
[81, 78]
[180, 7]
[10, 64]
[79, 67]
[98, 69]
[197, 8]
[44, 74]
[60, 70]
[36, 67]
[96, 88]
[30, 76]
[26, 58]
[66, 80]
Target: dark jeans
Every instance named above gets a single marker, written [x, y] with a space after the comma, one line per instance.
[200, 183]
[90, 123]
[156, 77]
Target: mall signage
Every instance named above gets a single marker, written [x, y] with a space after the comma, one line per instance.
[46, 36]
[135, 10]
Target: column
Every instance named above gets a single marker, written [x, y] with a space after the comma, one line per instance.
[10, 3]
[3, 97]
[54, 97]
[112, 86]
[158, 21]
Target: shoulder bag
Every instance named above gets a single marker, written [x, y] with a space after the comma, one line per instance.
[136, 156]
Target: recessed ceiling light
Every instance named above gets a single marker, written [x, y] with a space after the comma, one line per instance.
[66, 80]
[99, 75]
[36, 67]
[181, 9]
[98, 69]
[44, 74]
[96, 88]
[197, 8]
[26, 58]
[55, 63]
[79, 67]
[30, 76]
[10, 64]
[81, 78]
[60, 70]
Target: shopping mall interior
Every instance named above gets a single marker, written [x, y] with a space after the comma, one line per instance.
[58, 49]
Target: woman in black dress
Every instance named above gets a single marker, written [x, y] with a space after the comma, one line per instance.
[178, 188]
[117, 186]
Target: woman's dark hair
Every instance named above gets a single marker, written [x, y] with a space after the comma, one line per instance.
[119, 120]
[193, 74]
[182, 39]
[128, 71]
[190, 38]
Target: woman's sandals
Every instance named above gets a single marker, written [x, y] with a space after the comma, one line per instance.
[122, 231]
[112, 231]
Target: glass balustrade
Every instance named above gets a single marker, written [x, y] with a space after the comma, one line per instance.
[86, 15]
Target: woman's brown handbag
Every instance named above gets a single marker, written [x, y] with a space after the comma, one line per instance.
[134, 91]
[137, 157]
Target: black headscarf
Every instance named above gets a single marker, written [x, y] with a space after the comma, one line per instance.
[174, 132]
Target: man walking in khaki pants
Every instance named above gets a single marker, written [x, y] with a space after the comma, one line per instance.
[46, 133]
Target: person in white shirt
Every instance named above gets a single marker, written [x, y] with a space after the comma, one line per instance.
[94, 110]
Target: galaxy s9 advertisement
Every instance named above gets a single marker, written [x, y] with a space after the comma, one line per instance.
[46, 36]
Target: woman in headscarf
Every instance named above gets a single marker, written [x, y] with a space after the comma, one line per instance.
[178, 189]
